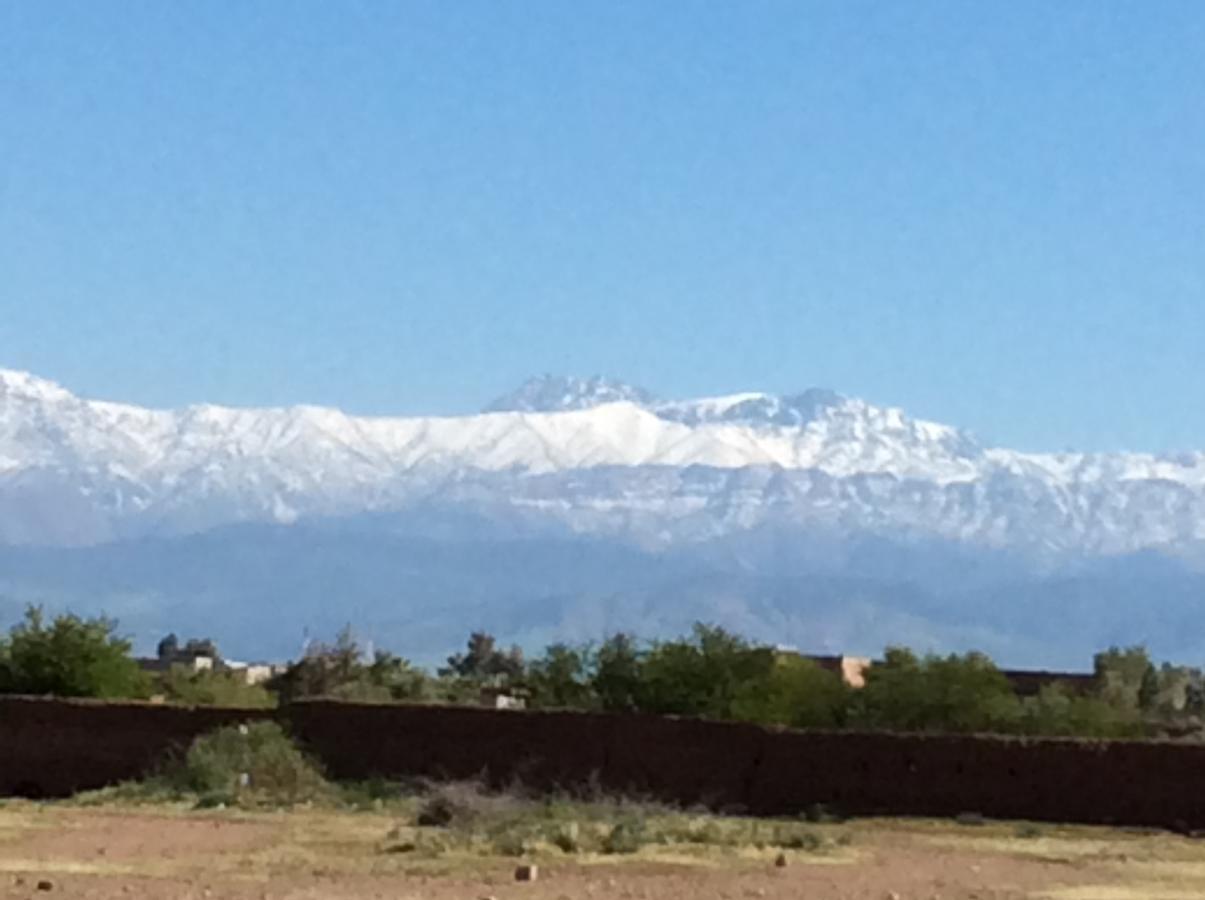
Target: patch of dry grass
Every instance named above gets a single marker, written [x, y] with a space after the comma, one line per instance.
[1143, 879]
[486, 832]
[1133, 891]
[465, 819]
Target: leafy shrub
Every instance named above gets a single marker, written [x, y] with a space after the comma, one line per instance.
[511, 843]
[567, 837]
[703, 832]
[626, 836]
[437, 812]
[254, 764]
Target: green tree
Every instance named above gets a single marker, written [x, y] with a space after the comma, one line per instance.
[1194, 694]
[795, 692]
[339, 671]
[1126, 678]
[322, 670]
[1149, 689]
[618, 673]
[1177, 690]
[398, 677]
[935, 693]
[69, 657]
[561, 678]
[702, 675]
[482, 661]
[1057, 711]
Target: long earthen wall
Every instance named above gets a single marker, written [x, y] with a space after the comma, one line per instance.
[54, 748]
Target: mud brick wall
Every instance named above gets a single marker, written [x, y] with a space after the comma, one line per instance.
[683, 760]
[52, 748]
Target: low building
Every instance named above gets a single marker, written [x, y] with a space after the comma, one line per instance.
[851, 669]
[189, 663]
[253, 673]
[503, 698]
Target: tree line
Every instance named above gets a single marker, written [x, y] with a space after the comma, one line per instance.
[709, 673]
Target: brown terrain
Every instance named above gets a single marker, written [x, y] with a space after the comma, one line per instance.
[112, 852]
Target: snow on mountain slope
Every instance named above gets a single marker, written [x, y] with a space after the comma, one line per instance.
[753, 408]
[590, 454]
[41, 424]
[553, 393]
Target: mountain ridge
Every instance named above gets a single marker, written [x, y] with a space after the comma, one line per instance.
[585, 455]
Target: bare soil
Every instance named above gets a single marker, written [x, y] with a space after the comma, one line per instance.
[154, 853]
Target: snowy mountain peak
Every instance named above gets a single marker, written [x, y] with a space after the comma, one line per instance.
[563, 393]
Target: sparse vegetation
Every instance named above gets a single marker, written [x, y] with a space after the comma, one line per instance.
[467, 817]
[257, 766]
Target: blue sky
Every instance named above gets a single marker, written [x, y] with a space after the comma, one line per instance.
[989, 214]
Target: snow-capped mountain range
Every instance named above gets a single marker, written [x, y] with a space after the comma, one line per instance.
[588, 456]
[574, 507]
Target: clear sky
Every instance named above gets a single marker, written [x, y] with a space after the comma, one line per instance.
[991, 214]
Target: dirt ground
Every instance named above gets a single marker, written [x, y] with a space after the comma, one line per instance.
[103, 853]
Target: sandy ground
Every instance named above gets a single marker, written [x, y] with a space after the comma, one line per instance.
[110, 853]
